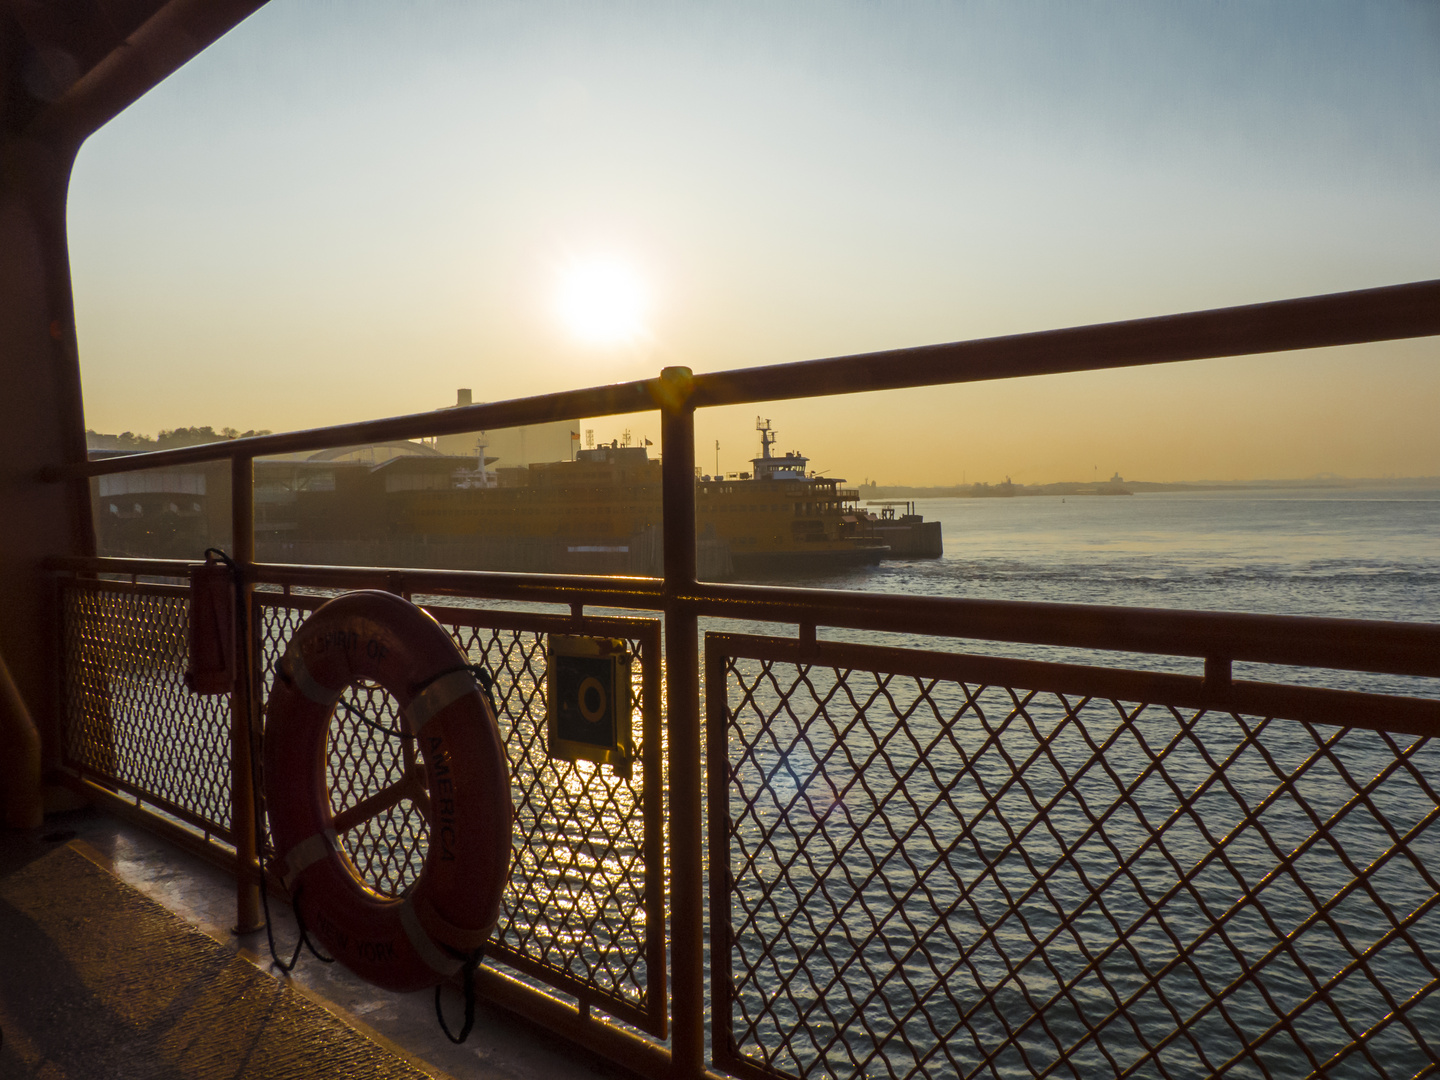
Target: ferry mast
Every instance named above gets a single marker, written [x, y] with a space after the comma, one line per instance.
[767, 437]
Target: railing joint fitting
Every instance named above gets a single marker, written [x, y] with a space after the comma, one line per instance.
[672, 390]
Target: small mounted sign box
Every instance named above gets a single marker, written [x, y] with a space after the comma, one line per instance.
[588, 692]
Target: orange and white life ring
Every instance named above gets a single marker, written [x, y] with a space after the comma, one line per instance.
[416, 940]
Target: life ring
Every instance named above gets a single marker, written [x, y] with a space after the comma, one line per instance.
[416, 940]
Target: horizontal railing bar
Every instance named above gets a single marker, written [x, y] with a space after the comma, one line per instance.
[542, 622]
[643, 1056]
[121, 564]
[140, 588]
[157, 804]
[489, 618]
[216, 852]
[1391, 648]
[558, 978]
[593, 591]
[614, 400]
[1372, 645]
[1315, 705]
[1350, 318]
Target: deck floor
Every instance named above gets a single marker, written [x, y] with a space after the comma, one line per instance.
[117, 960]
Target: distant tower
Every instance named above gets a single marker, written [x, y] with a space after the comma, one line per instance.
[482, 474]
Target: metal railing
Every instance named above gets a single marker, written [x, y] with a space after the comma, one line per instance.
[584, 909]
[1058, 943]
[950, 865]
[129, 718]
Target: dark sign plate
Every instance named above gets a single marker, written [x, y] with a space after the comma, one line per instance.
[589, 700]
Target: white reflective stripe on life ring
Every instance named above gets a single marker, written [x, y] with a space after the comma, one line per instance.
[307, 853]
[436, 958]
[436, 697]
[306, 683]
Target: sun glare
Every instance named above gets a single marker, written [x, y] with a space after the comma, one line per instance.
[602, 301]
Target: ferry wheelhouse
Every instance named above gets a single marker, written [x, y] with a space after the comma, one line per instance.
[781, 518]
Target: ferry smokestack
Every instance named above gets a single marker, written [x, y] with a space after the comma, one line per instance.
[462, 397]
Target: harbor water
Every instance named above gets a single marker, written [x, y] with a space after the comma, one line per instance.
[1358, 553]
[1348, 553]
[927, 871]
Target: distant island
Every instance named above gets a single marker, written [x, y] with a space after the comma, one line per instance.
[1116, 485]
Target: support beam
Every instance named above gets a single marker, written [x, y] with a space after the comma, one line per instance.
[682, 717]
[105, 63]
[41, 420]
[175, 33]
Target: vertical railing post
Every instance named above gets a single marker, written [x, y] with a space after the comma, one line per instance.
[682, 719]
[242, 703]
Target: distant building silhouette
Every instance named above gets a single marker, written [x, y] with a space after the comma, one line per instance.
[513, 448]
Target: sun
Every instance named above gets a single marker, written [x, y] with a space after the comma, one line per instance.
[602, 300]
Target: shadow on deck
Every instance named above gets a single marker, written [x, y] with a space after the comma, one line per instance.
[116, 961]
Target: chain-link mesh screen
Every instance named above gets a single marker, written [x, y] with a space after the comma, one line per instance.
[129, 719]
[583, 909]
[370, 762]
[932, 876]
[576, 907]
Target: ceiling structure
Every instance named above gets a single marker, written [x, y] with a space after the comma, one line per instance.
[68, 66]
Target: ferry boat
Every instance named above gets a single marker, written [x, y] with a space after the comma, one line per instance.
[781, 518]
[602, 511]
[597, 513]
[908, 534]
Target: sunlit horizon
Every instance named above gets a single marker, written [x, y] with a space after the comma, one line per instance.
[324, 220]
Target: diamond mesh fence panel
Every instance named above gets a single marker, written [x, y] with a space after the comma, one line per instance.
[129, 719]
[583, 911]
[931, 874]
[368, 755]
[365, 755]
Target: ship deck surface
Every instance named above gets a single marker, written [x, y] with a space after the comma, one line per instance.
[116, 959]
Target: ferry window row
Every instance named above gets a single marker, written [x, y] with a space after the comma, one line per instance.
[751, 509]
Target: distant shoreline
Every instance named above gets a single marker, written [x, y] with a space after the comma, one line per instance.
[1135, 487]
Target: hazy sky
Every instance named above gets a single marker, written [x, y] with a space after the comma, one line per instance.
[348, 209]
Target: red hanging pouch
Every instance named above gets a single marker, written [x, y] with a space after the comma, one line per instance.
[212, 625]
